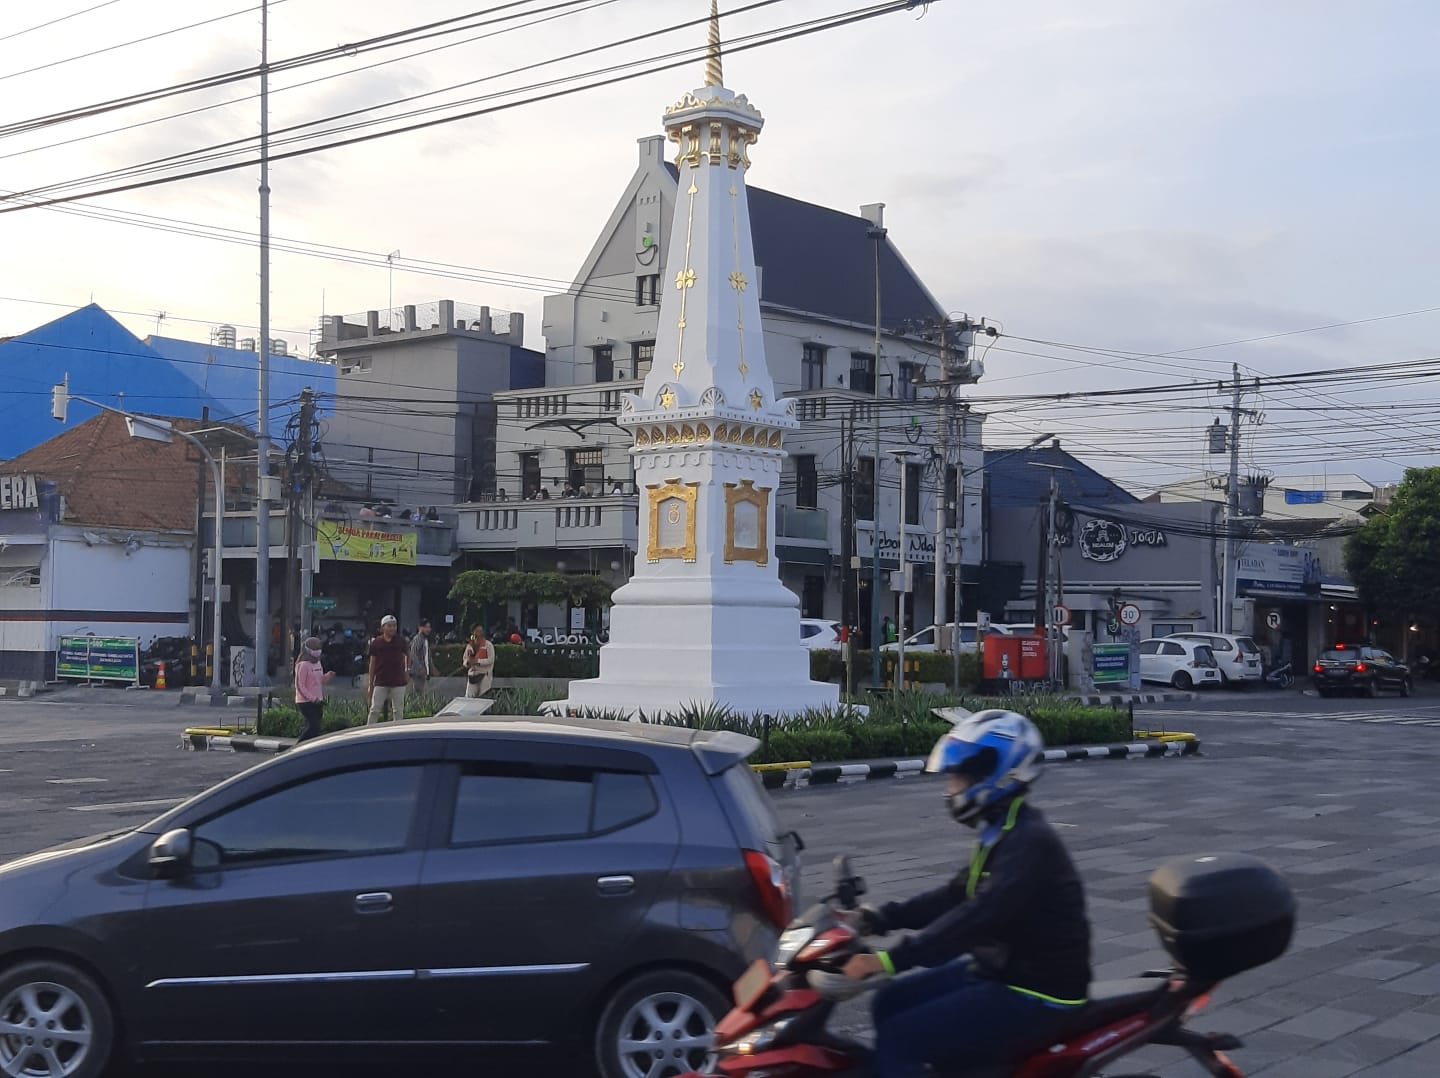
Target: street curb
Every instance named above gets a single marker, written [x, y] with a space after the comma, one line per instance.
[1116, 699]
[202, 698]
[830, 774]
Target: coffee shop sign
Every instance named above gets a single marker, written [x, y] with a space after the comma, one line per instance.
[1107, 540]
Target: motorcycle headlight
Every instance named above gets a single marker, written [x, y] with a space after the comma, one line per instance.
[791, 943]
[761, 1039]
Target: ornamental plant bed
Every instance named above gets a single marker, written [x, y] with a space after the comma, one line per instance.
[900, 726]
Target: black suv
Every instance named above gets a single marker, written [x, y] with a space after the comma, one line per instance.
[586, 888]
[1360, 669]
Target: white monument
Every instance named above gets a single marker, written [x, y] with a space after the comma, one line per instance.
[705, 619]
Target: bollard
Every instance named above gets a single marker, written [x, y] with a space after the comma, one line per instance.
[259, 712]
[765, 739]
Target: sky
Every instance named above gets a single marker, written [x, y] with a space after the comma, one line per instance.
[1134, 184]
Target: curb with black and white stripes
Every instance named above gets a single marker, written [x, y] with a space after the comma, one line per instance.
[829, 774]
[1121, 699]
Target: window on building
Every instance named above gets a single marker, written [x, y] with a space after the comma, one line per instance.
[862, 372]
[642, 356]
[812, 367]
[647, 290]
[950, 493]
[913, 472]
[586, 467]
[865, 488]
[812, 597]
[905, 386]
[604, 363]
[807, 482]
[529, 474]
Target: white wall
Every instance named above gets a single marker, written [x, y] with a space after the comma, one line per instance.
[105, 579]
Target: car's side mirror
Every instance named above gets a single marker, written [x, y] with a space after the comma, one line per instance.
[171, 852]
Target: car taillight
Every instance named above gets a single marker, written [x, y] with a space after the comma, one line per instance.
[1239, 659]
[769, 879]
[1360, 668]
[1319, 669]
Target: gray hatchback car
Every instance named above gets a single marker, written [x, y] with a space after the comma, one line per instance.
[587, 889]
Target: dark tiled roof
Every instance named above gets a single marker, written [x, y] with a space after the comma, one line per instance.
[1012, 479]
[821, 261]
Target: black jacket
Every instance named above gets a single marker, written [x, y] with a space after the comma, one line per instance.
[1025, 924]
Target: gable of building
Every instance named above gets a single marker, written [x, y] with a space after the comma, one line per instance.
[1018, 479]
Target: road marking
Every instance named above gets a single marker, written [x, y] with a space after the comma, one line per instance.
[114, 806]
[73, 782]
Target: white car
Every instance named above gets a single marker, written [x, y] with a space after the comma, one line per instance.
[817, 634]
[925, 639]
[1184, 664]
[1238, 656]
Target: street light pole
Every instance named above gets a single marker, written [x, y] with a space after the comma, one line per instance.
[876, 233]
[262, 424]
[159, 430]
[902, 458]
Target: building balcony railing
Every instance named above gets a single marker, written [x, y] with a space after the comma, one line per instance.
[583, 401]
[833, 404]
[610, 521]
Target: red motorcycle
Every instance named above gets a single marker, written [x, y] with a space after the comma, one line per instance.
[1217, 915]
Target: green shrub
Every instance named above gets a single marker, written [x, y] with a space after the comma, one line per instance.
[931, 667]
[343, 714]
[813, 745]
[523, 700]
[517, 660]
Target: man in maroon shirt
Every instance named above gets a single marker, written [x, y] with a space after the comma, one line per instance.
[389, 671]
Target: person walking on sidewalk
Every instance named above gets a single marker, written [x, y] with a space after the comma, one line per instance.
[389, 660]
[479, 662]
[310, 681]
[422, 658]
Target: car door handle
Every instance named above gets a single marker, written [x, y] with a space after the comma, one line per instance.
[615, 885]
[374, 902]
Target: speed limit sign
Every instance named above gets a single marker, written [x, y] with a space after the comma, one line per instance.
[1129, 614]
[1059, 614]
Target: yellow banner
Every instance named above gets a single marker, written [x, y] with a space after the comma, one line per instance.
[345, 542]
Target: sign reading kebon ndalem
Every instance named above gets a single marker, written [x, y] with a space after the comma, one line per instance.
[345, 542]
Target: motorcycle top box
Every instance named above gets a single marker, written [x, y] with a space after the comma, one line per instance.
[1221, 914]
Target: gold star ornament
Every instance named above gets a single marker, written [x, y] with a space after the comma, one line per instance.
[667, 399]
[756, 399]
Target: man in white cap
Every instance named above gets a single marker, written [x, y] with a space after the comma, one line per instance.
[389, 673]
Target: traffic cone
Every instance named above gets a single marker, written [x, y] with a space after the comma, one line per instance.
[160, 677]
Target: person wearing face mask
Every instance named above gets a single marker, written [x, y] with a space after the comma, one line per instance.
[1005, 945]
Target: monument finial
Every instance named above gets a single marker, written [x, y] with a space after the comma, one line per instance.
[714, 74]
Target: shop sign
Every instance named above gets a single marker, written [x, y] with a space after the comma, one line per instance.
[345, 542]
[1111, 664]
[919, 545]
[1107, 540]
[1274, 567]
[19, 492]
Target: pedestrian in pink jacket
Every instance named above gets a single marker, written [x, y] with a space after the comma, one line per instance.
[310, 682]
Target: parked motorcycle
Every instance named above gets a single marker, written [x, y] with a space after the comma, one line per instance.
[1217, 915]
[1281, 676]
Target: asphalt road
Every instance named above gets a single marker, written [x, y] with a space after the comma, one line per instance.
[1332, 792]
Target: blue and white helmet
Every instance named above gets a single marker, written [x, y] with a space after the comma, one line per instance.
[999, 751]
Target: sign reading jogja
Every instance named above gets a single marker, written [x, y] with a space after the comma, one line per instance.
[345, 542]
[19, 492]
[1105, 541]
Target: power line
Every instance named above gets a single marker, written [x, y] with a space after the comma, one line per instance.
[61, 18]
[816, 26]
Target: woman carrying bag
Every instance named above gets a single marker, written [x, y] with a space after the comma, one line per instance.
[479, 662]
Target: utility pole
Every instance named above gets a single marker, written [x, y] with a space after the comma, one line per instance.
[1052, 583]
[902, 458]
[1232, 506]
[849, 577]
[306, 467]
[876, 233]
[262, 427]
[198, 651]
[947, 437]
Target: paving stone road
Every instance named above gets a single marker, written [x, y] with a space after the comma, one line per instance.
[1344, 806]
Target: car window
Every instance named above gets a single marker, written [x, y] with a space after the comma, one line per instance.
[807, 631]
[1344, 656]
[1381, 654]
[1172, 648]
[1150, 647]
[1219, 643]
[967, 635]
[748, 796]
[1204, 656]
[1247, 646]
[924, 636]
[365, 811]
[497, 803]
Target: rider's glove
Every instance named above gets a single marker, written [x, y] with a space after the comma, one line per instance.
[868, 921]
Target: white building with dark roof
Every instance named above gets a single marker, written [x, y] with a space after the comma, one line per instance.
[817, 303]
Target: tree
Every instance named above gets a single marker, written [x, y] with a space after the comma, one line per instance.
[1394, 559]
[481, 588]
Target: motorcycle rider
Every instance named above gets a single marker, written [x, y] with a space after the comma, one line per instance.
[1006, 943]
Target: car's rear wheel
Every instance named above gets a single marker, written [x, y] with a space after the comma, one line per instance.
[1406, 686]
[659, 1025]
[1372, 688]
[1181, 680]
[55, 1022]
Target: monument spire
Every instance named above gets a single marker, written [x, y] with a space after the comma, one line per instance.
[714, 73]
[705, 619]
